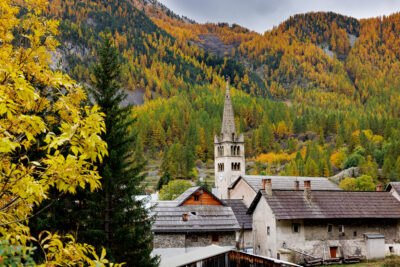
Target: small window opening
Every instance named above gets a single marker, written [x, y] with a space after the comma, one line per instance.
[278, 256]
[193, 213]
[184, 217]
[341, 229]
[196, 198]
[296, 228]
[391, 249]
[268, 230]
[215, 238]
[330, 228]
[355, 233]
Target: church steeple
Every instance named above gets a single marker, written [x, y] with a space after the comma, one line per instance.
[228, 151]
[228, 119]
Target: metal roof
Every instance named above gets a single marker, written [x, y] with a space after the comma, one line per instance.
[374, 236]
[330, 204]
[287, 182]
[193, 256]
[208, 252]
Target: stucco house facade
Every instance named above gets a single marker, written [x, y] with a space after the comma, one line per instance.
[324, 224]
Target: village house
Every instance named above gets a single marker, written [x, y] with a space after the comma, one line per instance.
[197, 219]
[281, 217]
[324, 224]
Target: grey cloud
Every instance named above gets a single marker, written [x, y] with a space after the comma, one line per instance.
[262, 15]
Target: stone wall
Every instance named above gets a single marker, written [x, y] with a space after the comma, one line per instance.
[353, 229]
[314, 238]
[169, 240]
[178, 240]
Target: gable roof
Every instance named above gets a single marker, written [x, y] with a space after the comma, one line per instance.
[330, 204]
[394, 185]
[190, 191]
[200, 218]
[286, 182]
[240, 210]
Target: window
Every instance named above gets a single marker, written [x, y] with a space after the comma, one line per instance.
[296, 227]
[215, 238]
[278, 256]
[193, 213]
[235, 166]
[330, 228]
[355, 233]
[196, 197]
[220, 167]
[194, 238]
[341, 230]
[391, 249]
[268, 230]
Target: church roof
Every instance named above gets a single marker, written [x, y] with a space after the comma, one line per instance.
[228, 119]
[330, 204]
[286, 182]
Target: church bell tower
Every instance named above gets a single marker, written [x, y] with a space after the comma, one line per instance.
[229, 158]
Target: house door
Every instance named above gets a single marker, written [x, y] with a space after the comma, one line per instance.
[333, 251]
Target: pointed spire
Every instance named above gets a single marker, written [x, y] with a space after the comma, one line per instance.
[228, 120]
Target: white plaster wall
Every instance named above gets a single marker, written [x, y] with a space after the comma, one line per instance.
[375, 248]
[395, 194]
[243, 191]
[263, 217]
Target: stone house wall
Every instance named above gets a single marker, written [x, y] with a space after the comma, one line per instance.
[178, 240]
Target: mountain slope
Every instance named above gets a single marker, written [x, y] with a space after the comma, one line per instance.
[324, 112]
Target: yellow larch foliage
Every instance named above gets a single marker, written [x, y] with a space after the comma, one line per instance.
[47, 139]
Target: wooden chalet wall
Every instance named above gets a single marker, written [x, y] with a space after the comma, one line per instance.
[201, 198]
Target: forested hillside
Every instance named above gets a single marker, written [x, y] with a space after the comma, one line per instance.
[315, 95]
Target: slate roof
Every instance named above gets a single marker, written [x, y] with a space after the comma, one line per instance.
[201, 218]
[287, 182]
[240, 210]
[330, 204]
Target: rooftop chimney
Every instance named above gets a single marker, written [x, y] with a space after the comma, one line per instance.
[379, 187]
[307, 190]
[267, 186]
[184, 217]
[296, 185]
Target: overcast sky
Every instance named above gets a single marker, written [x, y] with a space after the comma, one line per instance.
[262, 15]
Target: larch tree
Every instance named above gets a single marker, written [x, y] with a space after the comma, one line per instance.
[48, 138]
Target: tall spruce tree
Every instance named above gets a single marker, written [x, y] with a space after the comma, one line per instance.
[125, 226]
[111, 217]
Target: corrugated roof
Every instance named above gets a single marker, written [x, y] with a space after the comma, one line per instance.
[208, 252]
[194, 256]
[287, 182]
[240, 210]
[331, 204]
